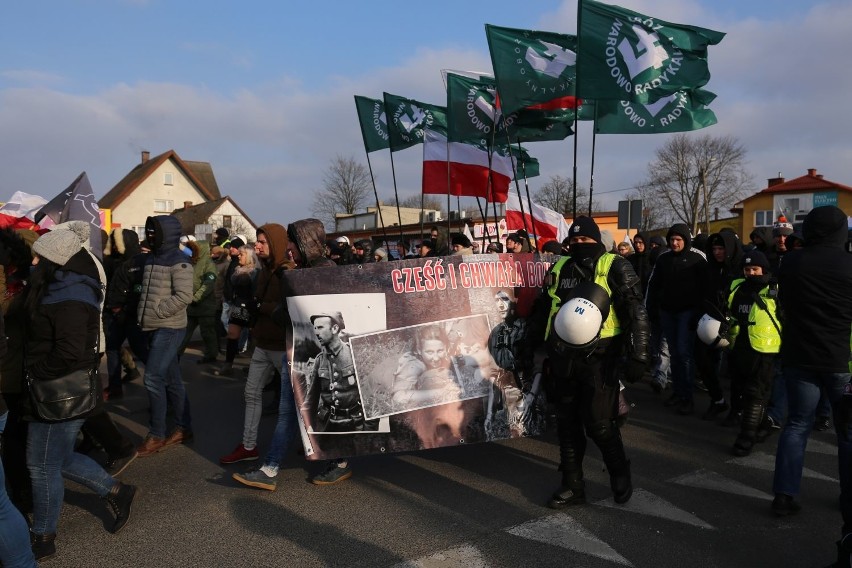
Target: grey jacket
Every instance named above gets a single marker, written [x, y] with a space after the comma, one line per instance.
[166, 279]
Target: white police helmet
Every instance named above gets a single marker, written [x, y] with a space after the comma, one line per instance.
[580, 319]
[713, 332]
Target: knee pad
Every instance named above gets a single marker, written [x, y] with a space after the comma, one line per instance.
[603, 431]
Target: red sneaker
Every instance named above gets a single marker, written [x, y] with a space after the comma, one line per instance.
[240, 454]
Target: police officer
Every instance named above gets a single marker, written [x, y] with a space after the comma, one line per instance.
[584, 384]
[758, 339]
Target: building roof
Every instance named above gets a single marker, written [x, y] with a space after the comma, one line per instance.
[199, 214]
[199, 173]
[804, 184]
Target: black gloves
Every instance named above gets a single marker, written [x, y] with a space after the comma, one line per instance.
[634, 370]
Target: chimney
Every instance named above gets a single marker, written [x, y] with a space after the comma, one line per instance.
[774, 181]
[146, 155]
[187, 204]
[812, 172]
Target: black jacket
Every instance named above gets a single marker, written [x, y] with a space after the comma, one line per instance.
[721, 274]
[641, 263]
[62, 332]
[815, 292]
[626, 301]
[678, 279]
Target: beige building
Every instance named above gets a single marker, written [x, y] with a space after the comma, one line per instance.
[792, 198]
[158, 186]
[203, 219]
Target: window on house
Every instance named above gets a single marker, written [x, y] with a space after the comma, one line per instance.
[164, 205]
[763, 219]
[226, 221]
[168, 178]
[139, 230]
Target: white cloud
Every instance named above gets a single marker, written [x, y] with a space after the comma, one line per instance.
[782, 88]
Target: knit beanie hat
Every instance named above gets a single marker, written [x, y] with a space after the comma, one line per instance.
[585, 227]
[57, 246]
[461, 240]
[782, 227]
[756, 258]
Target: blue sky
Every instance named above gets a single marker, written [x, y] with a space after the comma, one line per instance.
[263, 90]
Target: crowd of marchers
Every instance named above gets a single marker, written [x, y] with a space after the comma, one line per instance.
[763, 327]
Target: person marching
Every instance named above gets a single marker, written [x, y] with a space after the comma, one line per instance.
[584, 353]
[752, 303]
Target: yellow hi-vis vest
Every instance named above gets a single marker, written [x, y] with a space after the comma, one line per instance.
[763, 335]
[611, 326]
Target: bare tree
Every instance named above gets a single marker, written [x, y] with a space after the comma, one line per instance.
[558, 194]
[692, 175]
[346, 189]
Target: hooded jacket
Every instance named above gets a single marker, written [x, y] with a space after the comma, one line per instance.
[121, 245]
[62, 333]
[677, 281]
[641, 261]
[814, 286]
[309, 237]
[267, 333]
[166, 278]
[721, 274]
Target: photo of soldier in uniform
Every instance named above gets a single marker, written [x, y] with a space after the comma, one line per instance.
[325, 382]
[422, 366]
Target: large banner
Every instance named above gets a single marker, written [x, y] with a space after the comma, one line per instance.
[410, 355]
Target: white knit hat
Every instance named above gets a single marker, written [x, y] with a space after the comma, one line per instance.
[57, 246]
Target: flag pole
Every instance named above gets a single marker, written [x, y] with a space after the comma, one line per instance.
[576, 112]
[396, 196]
[378, 203]
[529, 201]
[594, 139]
[518, 186]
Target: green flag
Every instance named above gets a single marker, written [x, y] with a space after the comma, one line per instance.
[679, 112]
[625, 55]
[532, 67]
[525, 165]
[471, 108]
[408, 118]
[536, 125]
[374, 125]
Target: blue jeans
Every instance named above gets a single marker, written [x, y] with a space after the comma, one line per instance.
[263, 364]
[659, 354]
[287, 425]
[163, 381]
[778, 403]
[50, 457]
[680, 336]
[15, 551]
[803, 392]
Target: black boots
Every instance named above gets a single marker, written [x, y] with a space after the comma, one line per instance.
[43, 545]
[621, 483]
[752, 416]
[120, 499]
[572, 492]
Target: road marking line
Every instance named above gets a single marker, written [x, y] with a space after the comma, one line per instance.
[706, 479]
[646, 503]
[562, 530]
[766, 462]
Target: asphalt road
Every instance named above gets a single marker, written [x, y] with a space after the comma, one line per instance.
[474, 506]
